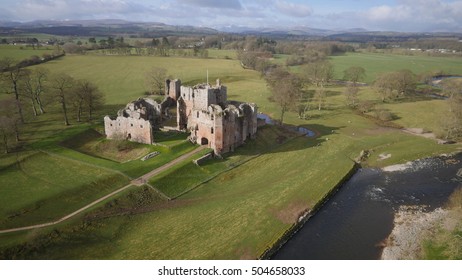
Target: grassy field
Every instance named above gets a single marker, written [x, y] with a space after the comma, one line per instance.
[41, 187]
[22, 52]
[126, 79]
[235, 208]
[379, 63]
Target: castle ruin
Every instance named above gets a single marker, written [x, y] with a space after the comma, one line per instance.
[202, 110]
[136, 122]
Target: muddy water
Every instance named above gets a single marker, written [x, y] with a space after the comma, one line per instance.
[356, 220]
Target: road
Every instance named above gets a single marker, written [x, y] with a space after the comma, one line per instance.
[136, 182]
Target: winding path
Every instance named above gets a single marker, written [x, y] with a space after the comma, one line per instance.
[136, 182]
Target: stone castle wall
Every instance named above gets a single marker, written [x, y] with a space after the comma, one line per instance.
[136, 122]
[128, 128]
[212, 120]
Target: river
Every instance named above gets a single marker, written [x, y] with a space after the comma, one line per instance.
[359, 217]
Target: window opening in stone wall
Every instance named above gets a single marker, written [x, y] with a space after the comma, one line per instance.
[197, 113]
[211, 130]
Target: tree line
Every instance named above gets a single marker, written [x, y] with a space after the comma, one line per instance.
[37, 89]
[307, 90]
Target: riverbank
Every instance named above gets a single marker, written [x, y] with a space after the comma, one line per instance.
[412, 225]
[307, 214]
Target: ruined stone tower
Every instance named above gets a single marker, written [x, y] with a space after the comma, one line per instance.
[212, 120]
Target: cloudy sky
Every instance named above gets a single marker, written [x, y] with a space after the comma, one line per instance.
[394, 15]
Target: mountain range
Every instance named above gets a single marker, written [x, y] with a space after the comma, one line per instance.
[153, 29]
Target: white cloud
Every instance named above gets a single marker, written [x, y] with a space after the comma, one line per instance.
[27, 10]
[228, 4]
[406, 15]
[399, 15]
[293, 9]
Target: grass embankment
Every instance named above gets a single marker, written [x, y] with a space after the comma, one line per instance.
[235, 214]
[41, 188]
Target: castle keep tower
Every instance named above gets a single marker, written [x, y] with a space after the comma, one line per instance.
[212, 120]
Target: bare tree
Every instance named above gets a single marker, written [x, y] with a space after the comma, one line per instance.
[77, 98]
[406, 82]
[452, 120]
[452, 87]
[318, 74]
[33, 86]
[351, 94]
[320, 96]
[10, 75]
[61, 85]
[155, 80]
[86, 97]
[9, 123]
[6, 124]
[354, 74]
[93, 98]
[285, 88]
[384, 86]
[391, 85]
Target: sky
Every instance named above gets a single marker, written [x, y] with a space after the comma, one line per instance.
[385, 15]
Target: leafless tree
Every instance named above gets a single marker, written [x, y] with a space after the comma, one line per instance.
[285, 88]
[354, 74]
[9, 123]
[452, 119]
[86, 97]
[155, 80]
[61, 85]
[351, 94]
[33, 82]
[391, 85]
[319, 74]
[10, 75]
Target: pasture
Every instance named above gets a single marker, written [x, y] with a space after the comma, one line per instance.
[23, 52]
[376, 63]
[237, 207]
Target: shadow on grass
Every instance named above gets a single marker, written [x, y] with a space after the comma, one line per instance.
[275, 139]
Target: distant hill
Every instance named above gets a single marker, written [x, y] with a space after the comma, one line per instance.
[116, 27]
[103, 28]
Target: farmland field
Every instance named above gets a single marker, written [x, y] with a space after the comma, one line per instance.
[375, 63]
[22, 52]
